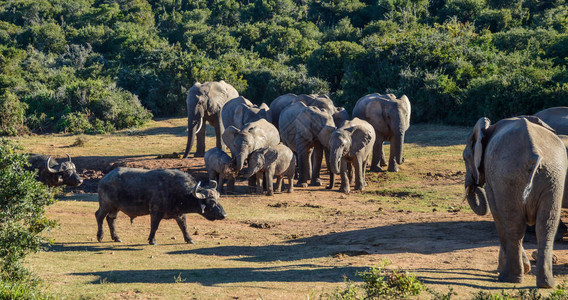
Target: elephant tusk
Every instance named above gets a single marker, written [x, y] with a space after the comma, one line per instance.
[466, 193]
[200, 124]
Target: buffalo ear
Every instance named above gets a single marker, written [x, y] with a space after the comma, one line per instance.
[474, 148]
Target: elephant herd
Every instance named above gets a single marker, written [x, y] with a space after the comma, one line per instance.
[296, 131]
[515, 168]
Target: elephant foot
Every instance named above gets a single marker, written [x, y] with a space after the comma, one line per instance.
[344, 190]
[359, 187]
[302, 184]
[329, 187]
[199, 154]
[393, 168]
[290, 191]
[376, 169]
[545, 283]
[506, 277]
[270, 193]
[315, 182]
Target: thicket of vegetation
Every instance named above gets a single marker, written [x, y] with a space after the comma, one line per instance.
[23, 200]
[99, 65]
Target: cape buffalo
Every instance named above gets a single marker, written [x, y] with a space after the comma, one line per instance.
[161, 193]
[52, 173]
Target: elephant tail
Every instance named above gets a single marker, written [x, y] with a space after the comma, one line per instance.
[534, 164]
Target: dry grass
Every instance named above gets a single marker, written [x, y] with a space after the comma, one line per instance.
[290, 246]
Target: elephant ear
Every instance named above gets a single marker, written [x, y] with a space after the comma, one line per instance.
[217, 94]
[239, 115]
[406, 104]
[270, 156]
[229, 136]
[359, 140]
[474, 148]
[538, 121]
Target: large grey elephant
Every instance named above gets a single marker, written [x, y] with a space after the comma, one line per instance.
[555, 117]
[517, 166]
[391, 118]
[253, 136]
[204, 103]
[306, 129]
[339, 114]
[350, 146]
[239, 111]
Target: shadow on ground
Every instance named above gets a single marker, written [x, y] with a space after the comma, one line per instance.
[213, 276]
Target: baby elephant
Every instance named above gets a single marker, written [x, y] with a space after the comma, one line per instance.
[220, 166]
[273, 161]
[350, 147]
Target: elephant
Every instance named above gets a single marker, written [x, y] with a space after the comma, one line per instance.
[253, 136]
[350, 146]
[306, 129]
[555, 117]
[391, 118]
[239, 111]
[339, 114]
[272, 162]
[518, 167]
[219, 167]
[204, 103]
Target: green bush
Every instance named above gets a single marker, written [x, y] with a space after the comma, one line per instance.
[12, 115]
[22, 210]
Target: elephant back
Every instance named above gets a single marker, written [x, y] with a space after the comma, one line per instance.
[278, 105]
[232, 111]
[555, 117]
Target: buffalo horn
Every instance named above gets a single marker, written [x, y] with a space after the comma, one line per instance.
[68, 157]
[49, 169]
[214, 184]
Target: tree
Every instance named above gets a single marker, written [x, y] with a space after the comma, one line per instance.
[22, 213]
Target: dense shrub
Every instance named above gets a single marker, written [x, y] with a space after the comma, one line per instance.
[22, 210]
[76, 61]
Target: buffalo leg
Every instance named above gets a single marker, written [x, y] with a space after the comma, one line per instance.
[100, 215]
[111, 218]
[155, 218]
[183, 226]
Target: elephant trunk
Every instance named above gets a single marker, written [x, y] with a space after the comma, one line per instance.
[252, 169]
[397, 147]
[335, 160]
[240, 160]
[476, 199]
[194, 124]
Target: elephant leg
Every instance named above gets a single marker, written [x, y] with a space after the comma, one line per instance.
[155, 218]
[269, 178]
[304, 164]
[393, 165]
[331, 174]
[230, 185]
[252, 184]
[317, 158]
[183, 226]
[378, 159]
[278, 187]
[547, 219]
[101, 213]
[219, 129]
[259, 176]
[511, 227]
[359, 173]
[345, 181]
[291, 174]
[220, 182]
[111, 218]
[200, 135]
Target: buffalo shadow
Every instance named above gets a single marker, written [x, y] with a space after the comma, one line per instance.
[93, 247]
[422, 238]
[214, 276]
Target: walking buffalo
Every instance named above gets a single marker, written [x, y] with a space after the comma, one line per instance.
[161, 193]
[52, 173]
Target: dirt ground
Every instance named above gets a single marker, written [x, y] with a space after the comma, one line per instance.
[288, 246]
